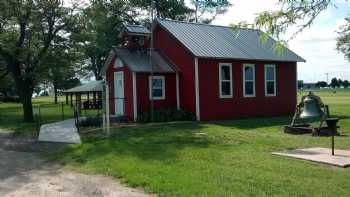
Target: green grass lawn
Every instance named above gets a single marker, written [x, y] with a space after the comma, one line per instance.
[231, 158]
[11, 114]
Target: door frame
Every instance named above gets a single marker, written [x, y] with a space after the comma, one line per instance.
[116, 97]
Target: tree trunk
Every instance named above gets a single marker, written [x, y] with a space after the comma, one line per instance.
[25, 91]
[27, 106]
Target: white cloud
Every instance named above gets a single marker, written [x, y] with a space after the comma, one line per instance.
[315, 44]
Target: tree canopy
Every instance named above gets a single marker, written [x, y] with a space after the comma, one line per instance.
[292, 12]
[100, 24]
[207, 10]
[27, 31]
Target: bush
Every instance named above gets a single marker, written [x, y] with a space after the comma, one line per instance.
[14, 99]
[91, 122]
[166, 115]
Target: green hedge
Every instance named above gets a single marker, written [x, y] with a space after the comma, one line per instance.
[166, 115]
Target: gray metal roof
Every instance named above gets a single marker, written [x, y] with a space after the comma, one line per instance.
[138, 61]
[226, 42]
[136, 29]
[93, 86]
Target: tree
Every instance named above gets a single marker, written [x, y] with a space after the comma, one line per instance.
[291, 12]
[100, 24]
[340, 82]
[166, 9]
[63, 64]
[321, 84]
[27, 29]
[346, 84]
[207, 10]
[334, 83]
[6, 81]
[343, 41]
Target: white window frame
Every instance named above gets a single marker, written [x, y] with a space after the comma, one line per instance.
[244, 80]
[221, 80]
[265, 74]
[151, 88]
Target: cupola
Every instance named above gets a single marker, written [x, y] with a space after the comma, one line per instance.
[135, 37]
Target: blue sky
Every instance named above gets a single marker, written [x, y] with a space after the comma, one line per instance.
[315, 44]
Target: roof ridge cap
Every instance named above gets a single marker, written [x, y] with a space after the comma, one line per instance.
[203, 24]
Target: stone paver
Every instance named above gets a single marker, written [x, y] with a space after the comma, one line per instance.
[341, 158]
[63, 131]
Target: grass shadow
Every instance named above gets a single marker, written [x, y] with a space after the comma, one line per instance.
[160, 142]
[254, 123]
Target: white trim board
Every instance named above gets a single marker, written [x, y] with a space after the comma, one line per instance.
[196, 76]
[134, 94]
[177, 91]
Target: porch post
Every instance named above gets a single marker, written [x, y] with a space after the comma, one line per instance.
[177, 91]
[107, 108]
[71, 99]
[196, 70]
[134, 94]
[94, 97]
[66, 98]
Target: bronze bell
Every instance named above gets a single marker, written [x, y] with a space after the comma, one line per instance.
[311, 109]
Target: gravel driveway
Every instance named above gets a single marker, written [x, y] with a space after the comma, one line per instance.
[23, 173]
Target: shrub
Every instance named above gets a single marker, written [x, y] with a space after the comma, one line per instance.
[166, 115]
[14, 99]
[91, 122]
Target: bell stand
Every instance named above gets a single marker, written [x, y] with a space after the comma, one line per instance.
[297, 113]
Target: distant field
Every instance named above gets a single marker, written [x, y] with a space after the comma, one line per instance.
[11, 114]
[223, 158]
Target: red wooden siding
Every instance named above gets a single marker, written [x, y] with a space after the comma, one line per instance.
[213, 108]
[184, 60]
[128, 105]
[143, 101]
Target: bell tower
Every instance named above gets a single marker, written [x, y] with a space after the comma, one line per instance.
[135, 37]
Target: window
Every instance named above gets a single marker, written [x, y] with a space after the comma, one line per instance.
[249, 80]
[270, 80]
[225, 80]
[157, 87]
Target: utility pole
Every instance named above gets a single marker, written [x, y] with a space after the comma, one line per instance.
[327, 74]
[150, 61]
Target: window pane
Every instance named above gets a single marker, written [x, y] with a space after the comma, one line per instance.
[248, 73]
[225, 73]
[249, 88]
[270, 73]
[225, 88]
[157, 93]
[157, 83]
[270, 87]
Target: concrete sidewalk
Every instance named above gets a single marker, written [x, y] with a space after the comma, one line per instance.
[341, 158]
[63, 131]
